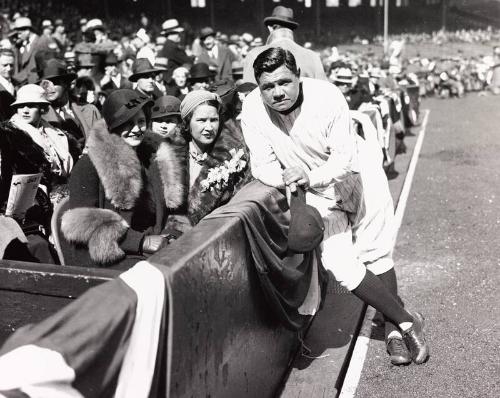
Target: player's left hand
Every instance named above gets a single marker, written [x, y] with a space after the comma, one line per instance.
[293, 176]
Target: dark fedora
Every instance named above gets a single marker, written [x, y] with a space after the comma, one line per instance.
[141, 67]
[166, 106]
[122, 105]
[205, 32]
[282, 16]
[200, 71]
[306, 224]
[56, 69]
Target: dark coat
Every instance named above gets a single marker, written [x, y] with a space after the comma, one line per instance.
[110, 86]
[223, 63]
[6, 99]
[118, 196]
[21, 155]
[198, 202]
[176, 57]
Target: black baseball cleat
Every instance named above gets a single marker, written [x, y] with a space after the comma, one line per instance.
[415, 340]
[398, 351]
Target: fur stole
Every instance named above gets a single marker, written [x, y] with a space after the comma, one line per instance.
[99, 229]
[171, 160]
[200, 203]
[119, 167]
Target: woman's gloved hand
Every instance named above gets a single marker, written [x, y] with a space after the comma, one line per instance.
[152, 243]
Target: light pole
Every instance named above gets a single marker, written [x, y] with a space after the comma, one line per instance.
[386, 26]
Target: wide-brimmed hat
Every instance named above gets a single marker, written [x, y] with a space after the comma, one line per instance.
[200, 71]
[56, 68]
[84, 60]
[30, 94]
[122, 105]
[22, 23]
[205, 32]
[282, 16]
[171, 25]
[343, 75]
[141, 67]
[166, 106]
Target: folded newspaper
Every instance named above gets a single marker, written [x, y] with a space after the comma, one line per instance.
[22, 193]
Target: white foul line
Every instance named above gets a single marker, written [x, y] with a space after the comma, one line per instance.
[353, 374]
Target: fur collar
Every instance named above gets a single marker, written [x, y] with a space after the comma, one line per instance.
[119, 167]
[171, 160]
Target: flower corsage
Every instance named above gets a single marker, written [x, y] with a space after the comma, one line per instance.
[225, 175]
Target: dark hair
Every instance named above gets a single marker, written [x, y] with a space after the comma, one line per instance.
[271, 59]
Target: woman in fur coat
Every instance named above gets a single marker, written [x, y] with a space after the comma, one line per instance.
[218, 158]
[122, 189]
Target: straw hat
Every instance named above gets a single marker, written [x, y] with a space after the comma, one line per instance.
[171, 25]
[344, 75]
[30, 94]
[22, 23]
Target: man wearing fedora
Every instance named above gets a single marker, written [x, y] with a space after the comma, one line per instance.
[172, 49]
[298, 131]
[144, 75]
[218, 57]
[201, 77]
[113, 79]
[281, 26]
[64, 113]
[28, 45]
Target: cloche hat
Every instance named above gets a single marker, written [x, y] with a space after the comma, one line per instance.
[122, 105]
[30, 94]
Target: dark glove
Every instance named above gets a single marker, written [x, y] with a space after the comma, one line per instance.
[152, 243]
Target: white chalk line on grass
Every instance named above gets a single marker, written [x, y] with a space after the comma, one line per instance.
[353, 374]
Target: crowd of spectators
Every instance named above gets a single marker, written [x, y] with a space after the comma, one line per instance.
[59, 78]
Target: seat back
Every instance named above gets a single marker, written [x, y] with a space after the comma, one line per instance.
[55, 224]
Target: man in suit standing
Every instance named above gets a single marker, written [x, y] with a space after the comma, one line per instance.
[281, 26]
[113, 79]
[29, 44]
[172, 50]
[76, 120]
[218, 57]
